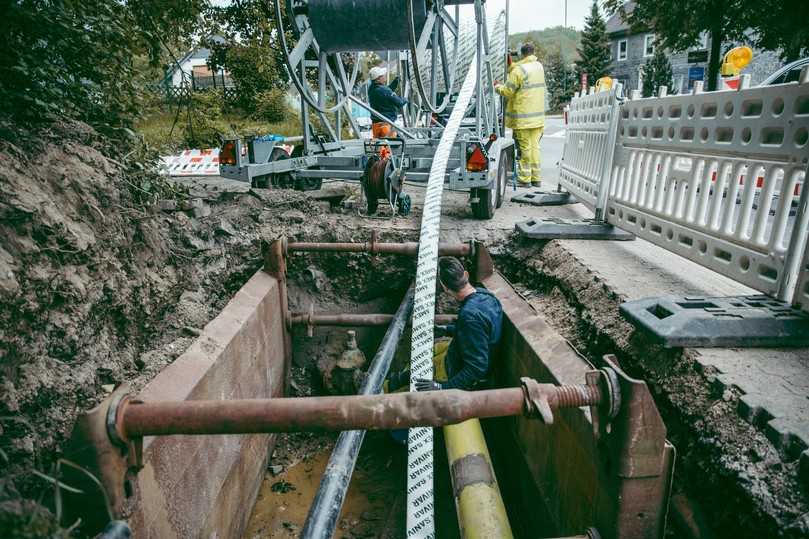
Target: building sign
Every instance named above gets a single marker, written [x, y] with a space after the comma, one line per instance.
[697, 57]
[695, 74]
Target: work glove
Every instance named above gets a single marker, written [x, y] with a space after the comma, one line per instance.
[422, 384]
[441, 331]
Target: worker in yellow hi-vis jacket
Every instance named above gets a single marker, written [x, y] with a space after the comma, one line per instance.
[525, 111]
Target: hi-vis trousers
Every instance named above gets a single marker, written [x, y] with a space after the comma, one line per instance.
[529, 164]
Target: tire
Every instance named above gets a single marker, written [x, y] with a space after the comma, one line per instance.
[282, 179]
[502, 176]
[486, 205]
[261, 182]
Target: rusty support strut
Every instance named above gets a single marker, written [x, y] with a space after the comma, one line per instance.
[134, 419]
[356, 320]
[406, 248]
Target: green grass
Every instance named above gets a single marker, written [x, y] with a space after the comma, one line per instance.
[157, 133]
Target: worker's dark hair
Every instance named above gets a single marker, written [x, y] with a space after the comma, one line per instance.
[451, 273]
[526, 49]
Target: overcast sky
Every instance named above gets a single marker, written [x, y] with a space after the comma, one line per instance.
[538, 14]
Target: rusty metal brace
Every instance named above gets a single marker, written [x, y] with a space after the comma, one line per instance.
[601, 393]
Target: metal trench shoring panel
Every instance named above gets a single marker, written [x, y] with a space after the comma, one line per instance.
[716, 178]
[588, 145]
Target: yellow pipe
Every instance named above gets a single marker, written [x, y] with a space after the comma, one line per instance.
[481, 512]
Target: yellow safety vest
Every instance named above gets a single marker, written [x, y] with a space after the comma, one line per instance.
[525, 92]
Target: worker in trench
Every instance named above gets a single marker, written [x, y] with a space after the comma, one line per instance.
[463, 361]
[525, 112]
[383, 99]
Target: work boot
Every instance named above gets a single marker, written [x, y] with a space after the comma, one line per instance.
[524, 185]
[536, 184]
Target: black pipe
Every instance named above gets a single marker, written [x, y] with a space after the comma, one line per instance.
[325, 510]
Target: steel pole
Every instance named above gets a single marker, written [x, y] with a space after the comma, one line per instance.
[328, 503]
[357, 320]
[407, 248]
[313, 414]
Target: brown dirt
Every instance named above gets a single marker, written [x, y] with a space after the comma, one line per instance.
[719, 455]
[98, 289]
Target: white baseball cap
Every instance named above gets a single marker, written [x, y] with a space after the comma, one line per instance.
[377, 71]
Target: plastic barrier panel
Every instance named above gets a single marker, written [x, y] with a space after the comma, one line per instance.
[191, 163]
[589, 146]
[801, 299]
[715, 177]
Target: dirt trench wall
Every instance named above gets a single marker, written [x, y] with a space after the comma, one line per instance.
[720, 456]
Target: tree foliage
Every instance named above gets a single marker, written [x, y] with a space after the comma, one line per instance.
[250, 51]
[762, 23]
[76, 59]
[560, 79]
[565, 40]
[594, 52]
[656, 73]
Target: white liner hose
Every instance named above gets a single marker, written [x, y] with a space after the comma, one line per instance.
[420, 507]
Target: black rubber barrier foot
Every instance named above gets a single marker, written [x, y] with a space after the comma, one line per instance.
[726, 322]
[544, 198]
[571, 229]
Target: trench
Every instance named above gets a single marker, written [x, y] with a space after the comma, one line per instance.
[375, 503]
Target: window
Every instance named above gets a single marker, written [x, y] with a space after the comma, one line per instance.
[648, 45]
[622, 47]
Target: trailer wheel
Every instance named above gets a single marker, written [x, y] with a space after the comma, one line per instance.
[308, 184]
[502, 176]
[486, 204]
[280, 179]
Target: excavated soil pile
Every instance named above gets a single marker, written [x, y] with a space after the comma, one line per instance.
[98, 289]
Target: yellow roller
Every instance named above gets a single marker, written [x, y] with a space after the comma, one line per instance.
[481, 512]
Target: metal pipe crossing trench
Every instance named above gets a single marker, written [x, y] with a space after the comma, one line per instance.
[136, 419]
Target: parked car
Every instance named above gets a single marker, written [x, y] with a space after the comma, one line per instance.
[788, 73]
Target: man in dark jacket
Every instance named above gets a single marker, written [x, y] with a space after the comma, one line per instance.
[384, 100]
[474, 335]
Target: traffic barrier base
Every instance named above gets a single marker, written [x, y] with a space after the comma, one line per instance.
[571, 229]
[759, 321]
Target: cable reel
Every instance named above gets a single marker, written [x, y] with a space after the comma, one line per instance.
[383, 179]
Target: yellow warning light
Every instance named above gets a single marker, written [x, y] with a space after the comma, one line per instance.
[604, 83]
[735, 60]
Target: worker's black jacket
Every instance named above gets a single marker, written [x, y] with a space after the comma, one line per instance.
[383, 100]
[475, 334]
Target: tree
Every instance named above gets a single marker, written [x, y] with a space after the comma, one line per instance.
[77, 60]
[679, 24]
[594, 53]
[656, 73]
[560, 80]
[780, 26]
[250, 52]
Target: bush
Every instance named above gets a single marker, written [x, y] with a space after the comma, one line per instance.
[201, 127]
[271, 106]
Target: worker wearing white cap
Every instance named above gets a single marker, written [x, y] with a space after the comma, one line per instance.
[383, 99]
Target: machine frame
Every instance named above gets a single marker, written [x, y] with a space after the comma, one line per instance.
[328, 156]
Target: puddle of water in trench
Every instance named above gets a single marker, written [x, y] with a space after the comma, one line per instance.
[375, 502]
[374, 507]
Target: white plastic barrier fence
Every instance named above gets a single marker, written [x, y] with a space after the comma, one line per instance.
[589, 143]
[191, 163]
[801, 297]
[716, 177]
